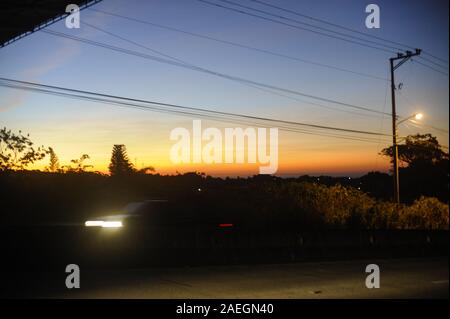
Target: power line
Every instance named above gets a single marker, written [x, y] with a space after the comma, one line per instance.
[63, 90]
[204, 70]
[330, 23]
[430, 67]
[250, 85]
[241, 45]
[432, 127]
[184, 113]
[434, 63]
[382, 118]
[135, 43]
[295, 26]
[313, 31]
[421, 126]
[347, 29]
[437, 58]
[32, 84]
[308, 25]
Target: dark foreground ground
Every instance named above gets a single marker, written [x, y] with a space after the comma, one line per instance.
[400, 278]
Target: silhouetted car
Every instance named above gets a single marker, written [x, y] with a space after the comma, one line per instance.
[159, 231]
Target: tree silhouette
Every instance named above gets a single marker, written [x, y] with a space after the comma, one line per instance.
[419, 150]
[120, 164]
[54, 161]
[17, 151]
[425, 168]
[146, 170]
[80, 167]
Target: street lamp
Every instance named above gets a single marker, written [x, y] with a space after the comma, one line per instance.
[416, 116]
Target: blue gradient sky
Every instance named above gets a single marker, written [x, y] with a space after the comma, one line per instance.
[76, 127]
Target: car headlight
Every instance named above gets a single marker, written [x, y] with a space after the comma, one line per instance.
[112, 224]
[104, 224]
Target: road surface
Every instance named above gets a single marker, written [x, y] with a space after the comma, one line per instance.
[400, 278]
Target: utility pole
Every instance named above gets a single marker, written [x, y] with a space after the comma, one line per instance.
[403, 57]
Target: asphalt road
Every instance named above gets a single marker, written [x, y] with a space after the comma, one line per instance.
[400, 278]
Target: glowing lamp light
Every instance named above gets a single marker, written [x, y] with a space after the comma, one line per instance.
[418, 116]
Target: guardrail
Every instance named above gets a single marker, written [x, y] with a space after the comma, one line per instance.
[50, 247]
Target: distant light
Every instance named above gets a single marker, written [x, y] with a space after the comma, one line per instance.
[94, 223]
[112, 224]
[418, 116]
[226, 225]
[199, 189]
[101, 223]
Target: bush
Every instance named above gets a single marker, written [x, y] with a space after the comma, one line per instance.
[425, 213]
[382, 215]
[346, 207]
[337, 206]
